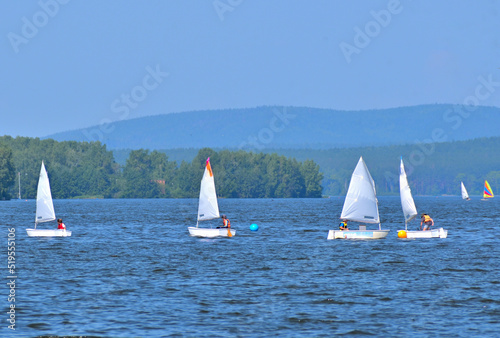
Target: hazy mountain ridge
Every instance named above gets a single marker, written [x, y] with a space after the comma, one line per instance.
[294, 127]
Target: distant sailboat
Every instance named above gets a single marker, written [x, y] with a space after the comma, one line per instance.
[488, 193]
[45, 209]
[410, 210]
[208, 208]
[360, 205]
[465, 195]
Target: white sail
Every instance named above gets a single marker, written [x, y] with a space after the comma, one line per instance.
[465, 195]
[208, 207]
[44, 206]
[361, 201]
[409, 208]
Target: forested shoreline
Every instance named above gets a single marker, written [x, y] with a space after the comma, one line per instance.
[88, 170]
[432, 168]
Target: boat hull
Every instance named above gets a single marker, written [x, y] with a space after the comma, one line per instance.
[434, 233]
[357, 234]
[48, 233]
[206, 232]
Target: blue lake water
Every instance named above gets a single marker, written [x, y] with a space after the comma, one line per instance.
[131, 269]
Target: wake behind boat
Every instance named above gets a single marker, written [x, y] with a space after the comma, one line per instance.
[208, 208]
[410, 211]
[45, 209]
[360, 205]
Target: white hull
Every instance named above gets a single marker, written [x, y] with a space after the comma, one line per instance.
[434, 233]
[48, 233]
[206, 232]
[357, 234]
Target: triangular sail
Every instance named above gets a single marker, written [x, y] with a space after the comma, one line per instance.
[44, 206]
[407, 202]
[208, 207]
[465, 195]
[488, 193]
[361, 201]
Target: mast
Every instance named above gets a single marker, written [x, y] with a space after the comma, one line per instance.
[19, 175]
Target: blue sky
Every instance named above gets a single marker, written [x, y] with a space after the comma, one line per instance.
[69, 64]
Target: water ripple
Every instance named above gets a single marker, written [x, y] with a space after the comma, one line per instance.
[131, 269]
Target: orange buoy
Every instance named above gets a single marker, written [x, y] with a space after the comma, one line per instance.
[402, 234]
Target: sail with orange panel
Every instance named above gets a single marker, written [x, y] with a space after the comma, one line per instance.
[208, 208]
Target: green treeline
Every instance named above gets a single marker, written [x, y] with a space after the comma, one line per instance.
[81, 169]
[238, 174]
[432, 168]
[7, 172]
[76, 169]
[88, 170]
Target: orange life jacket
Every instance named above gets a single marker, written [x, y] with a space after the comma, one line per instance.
[226, 222]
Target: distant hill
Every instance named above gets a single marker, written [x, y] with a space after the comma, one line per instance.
[294, 127]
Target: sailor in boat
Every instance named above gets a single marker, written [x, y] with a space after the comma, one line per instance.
[60, 224]
[427, 222]
[226, 223]
[343, 225]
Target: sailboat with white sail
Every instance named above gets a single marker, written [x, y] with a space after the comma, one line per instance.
[45, 209]
[208, 208]
[361, 206]
[465, 195]
[410, 211]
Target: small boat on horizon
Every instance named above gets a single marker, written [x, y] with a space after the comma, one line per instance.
[465, 195]
[488, 193]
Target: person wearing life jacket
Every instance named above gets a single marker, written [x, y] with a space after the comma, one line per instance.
[226, 223]
[343, 225]
[427, 222]
[60, 224]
